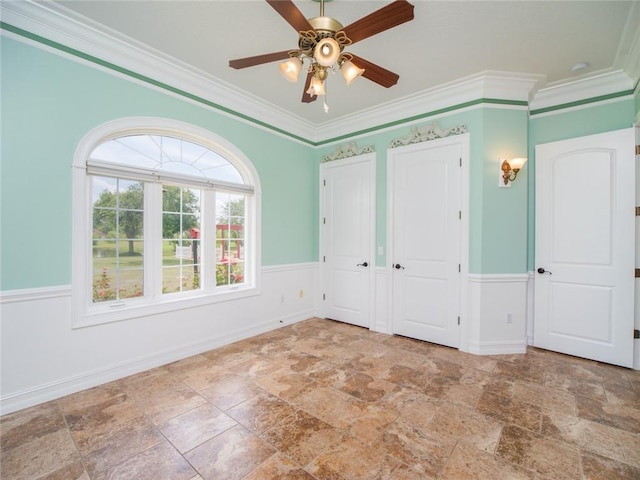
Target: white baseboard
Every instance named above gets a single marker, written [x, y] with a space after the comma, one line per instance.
[497, 348]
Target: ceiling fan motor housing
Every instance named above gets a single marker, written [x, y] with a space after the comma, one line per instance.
[325, 27]
[325, 23]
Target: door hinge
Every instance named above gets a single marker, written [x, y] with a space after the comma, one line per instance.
[324, 183]
[324, 259]
[324, 220]
[637, 272]
[460, 161]
[459, 214]
[458, 320]
[324, 297]
[636, 334]
[637, 149]
[459, 268]
[637, 211]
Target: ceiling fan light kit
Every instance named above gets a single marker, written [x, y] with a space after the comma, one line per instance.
[326, 52]
[316, 87]
[321, 43]
[291, 69]
[350, 72]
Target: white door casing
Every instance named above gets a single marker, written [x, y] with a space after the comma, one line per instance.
[347, 226]
[585, 247]
[636, 342]
[425, 238]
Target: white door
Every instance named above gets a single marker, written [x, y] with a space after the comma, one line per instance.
[424, 201]
[347, 237]
[585, 234]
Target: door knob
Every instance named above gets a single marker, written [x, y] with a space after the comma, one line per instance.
[365, 264]
[542, 270]
[397, 266]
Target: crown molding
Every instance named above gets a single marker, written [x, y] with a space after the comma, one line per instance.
[599, 84]
[58, 24]
[628, 55]
[89, 42]
[505, 86]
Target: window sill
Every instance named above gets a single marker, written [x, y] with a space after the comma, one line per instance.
[134, 308]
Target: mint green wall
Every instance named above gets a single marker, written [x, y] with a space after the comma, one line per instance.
[503, 220]
[562, 125]
[496, 245]
[50, 102]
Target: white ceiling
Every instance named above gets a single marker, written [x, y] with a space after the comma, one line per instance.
[446, 41]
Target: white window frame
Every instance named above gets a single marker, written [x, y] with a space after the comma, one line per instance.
[85, 311]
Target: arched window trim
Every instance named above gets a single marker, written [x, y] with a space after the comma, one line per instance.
[86, 314]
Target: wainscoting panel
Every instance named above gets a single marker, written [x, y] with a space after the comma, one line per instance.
[43, 358]
[381, 316]
[497, 314]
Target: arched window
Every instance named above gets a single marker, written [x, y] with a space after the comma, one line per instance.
[166, 217]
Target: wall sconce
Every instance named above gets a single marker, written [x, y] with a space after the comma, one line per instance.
[509, 170]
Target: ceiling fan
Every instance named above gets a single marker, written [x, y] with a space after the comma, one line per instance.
[321, 43]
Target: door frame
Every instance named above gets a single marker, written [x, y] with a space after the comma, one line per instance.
[465, 151]
[636, 319]
[370, 160]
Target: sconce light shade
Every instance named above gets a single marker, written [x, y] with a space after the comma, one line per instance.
[326, 52]
[316, 87]
[509, 170]
[350, 72]
[291, 69]
[517, 163]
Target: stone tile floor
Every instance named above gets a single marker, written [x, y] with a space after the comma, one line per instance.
[326, 400]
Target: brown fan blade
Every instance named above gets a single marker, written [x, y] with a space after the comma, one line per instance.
[293, 16]
[259, 59]
[392, 15]
[376, 73]
[306, 98]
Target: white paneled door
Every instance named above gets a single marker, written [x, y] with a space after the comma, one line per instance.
[424, 202]
[347, 237]
[585, 234]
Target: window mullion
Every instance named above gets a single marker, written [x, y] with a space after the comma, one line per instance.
[250, 254]
[153, 240]
[208, 240]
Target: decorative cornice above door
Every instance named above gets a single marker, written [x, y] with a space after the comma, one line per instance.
[425, 133]
[346, 151]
